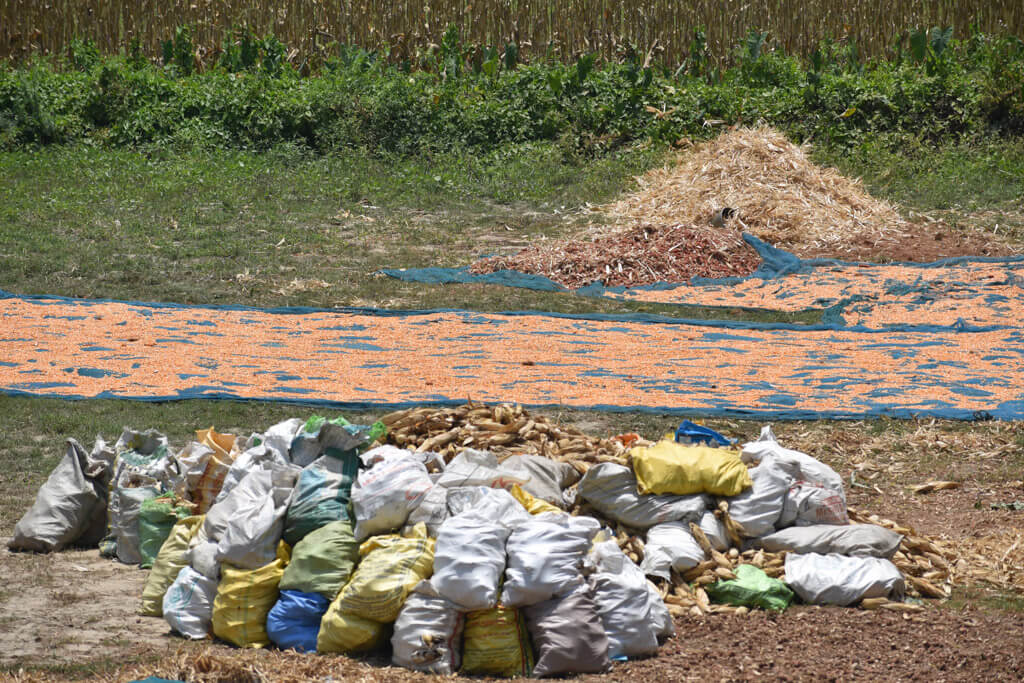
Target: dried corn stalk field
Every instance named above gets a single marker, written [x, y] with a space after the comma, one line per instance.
[31, 26]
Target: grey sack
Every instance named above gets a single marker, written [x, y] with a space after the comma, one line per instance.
[71, 507]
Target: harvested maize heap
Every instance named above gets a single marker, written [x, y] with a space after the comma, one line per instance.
[503, 430]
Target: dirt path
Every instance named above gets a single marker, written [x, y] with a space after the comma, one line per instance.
[71, 608]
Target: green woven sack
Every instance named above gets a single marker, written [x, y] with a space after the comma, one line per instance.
[323, 560]
[157, 517]
[752, 588]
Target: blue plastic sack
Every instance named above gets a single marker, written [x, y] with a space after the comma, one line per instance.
[294, 621]
[694, 434]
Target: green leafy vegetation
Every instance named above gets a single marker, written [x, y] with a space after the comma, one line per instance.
[460, 96]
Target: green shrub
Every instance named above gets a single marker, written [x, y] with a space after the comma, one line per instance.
[459, 96]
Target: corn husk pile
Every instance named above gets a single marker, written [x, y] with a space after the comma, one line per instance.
[780, 195]
[503, 430]
[639, 255]
[997, 559]
[929, 566]
[663, 232]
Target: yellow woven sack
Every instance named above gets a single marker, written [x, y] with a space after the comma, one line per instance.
[340, 632]
[669, 467]
[390, 568]
[244, 598]
[169, 561]
[533, 505]
[225, 450]
[495, 642]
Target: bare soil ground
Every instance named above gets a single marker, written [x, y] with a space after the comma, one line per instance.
[71, 608]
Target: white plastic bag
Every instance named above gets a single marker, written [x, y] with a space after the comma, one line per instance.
[714, 529]
[631, 609]
[670, 546]
[260, 457]
[469, 559]
[839, 580]
[384, 495]
[245, 527]
[758, 509]
[478, 468]
[546, 478]
[428, 633]
[809, 503]
[125, 523]
[142, 461]
[799, 466]
[611, 489]
[279, 437]
[852, 539]
[496, 504]
[188, 604]
[258, 506]
[387, 453]
[545, 557]
[432, 511]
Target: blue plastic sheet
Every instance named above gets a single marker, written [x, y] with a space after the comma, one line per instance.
[691, 433]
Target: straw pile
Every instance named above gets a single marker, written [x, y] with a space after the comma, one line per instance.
[996, 558]
[780, 194]
[664, 231]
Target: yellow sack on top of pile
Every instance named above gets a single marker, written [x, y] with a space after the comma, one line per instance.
[225, 450]
[244, 598]
[169, 561]
[390, 568]
[533, 505]
[669, 467]
[495, 642]
[340, 632]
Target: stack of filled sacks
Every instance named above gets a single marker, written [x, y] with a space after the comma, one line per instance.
[223, 570]
[485, 576]
[124, 497]
[470, 566]
[307, 537]
[829, 560]
[786, 501]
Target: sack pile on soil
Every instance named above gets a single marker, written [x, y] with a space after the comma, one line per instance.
[668, 230]
[474, 539]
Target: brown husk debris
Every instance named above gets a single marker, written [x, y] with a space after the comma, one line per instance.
[664, 230]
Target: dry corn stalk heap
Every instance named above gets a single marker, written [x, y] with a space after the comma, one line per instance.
[780, 195]
[928, 565]
[663, 232]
